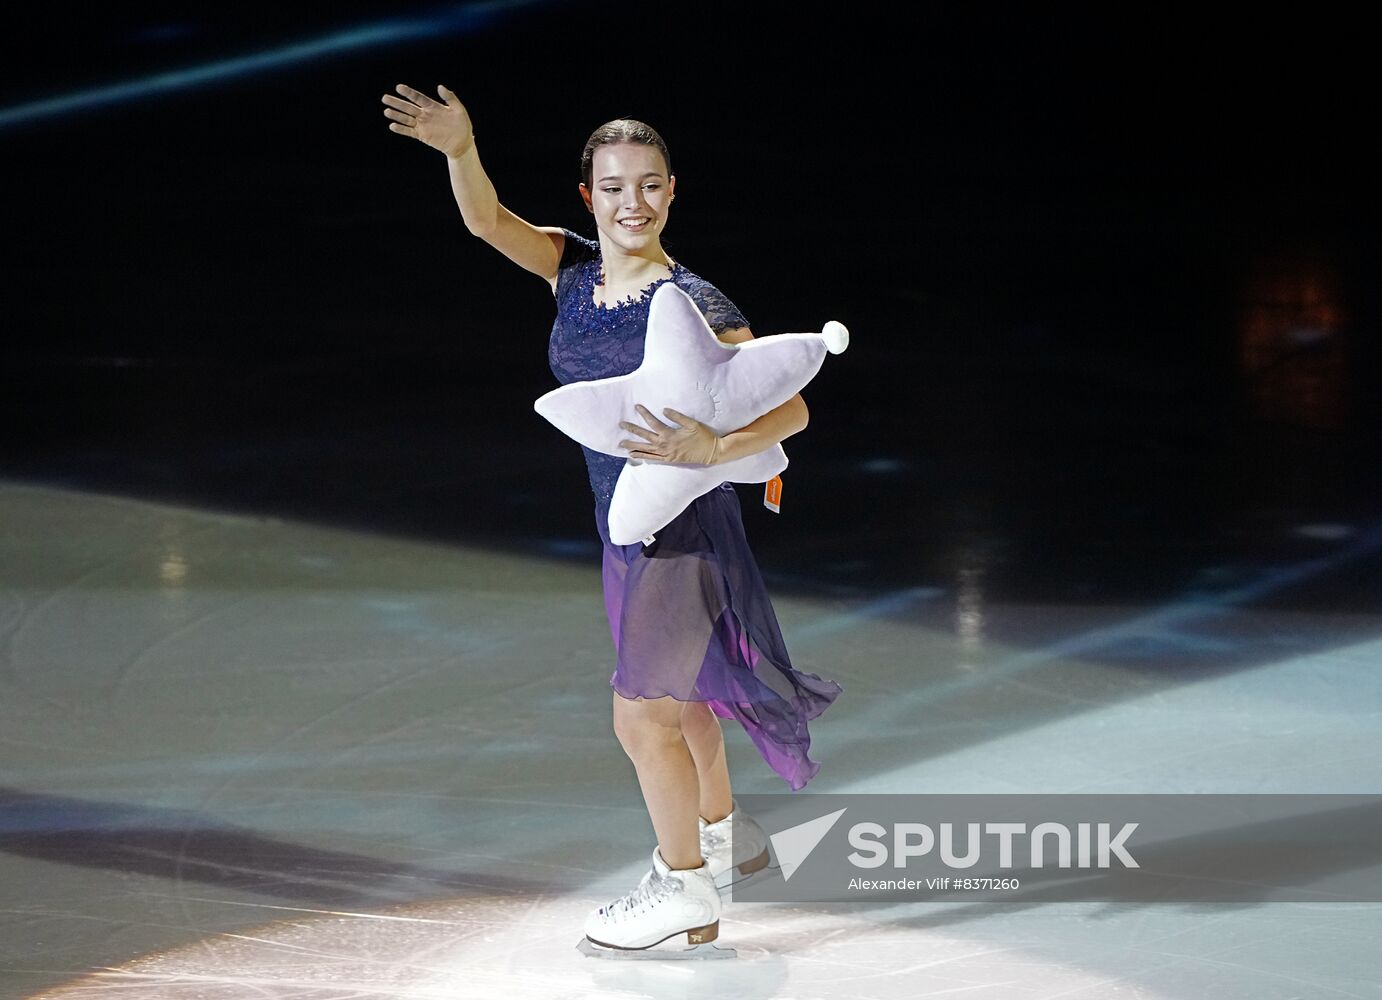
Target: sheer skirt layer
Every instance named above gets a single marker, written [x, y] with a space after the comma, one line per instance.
[691, 618]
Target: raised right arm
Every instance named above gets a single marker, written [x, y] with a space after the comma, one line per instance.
[445, 125]
[533, 248]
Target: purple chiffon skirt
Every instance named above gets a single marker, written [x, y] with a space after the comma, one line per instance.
[691, 618]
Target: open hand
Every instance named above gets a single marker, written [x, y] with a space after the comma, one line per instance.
[443, 125]
[686, 441]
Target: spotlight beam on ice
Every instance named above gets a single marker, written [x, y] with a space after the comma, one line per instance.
[453, 19]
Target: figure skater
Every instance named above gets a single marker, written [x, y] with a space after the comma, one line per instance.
[695, 635]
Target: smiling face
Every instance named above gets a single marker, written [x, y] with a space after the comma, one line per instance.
[630, 182]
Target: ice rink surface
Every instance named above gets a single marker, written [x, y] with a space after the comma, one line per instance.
[251, 757]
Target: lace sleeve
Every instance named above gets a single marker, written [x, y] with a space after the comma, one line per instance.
[575, 251]
[720, 313]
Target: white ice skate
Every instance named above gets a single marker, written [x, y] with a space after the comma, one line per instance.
[734, 859]
[666, 904]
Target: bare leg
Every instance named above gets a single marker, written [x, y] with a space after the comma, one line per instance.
[701, 728]
[649, 729]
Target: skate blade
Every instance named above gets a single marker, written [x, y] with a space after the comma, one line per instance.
[657, 952]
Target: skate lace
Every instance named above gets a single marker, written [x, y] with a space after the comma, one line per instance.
[651, 885]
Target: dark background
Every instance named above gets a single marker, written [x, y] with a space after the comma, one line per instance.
[1111, 277]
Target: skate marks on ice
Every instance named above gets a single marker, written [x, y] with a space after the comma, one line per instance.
[519, 947]
[516, 947]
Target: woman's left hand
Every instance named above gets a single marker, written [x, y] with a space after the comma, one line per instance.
[686, 441]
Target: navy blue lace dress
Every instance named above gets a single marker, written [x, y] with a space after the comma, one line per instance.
[689, 614]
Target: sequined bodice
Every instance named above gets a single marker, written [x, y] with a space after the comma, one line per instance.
[591, 341]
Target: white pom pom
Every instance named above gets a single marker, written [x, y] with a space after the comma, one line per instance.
[836, 336]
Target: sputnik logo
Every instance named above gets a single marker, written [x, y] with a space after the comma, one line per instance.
[795, 844]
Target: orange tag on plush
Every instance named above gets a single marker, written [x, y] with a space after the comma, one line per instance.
[772, 494]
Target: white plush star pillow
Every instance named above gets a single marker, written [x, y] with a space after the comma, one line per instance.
[685, 367]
